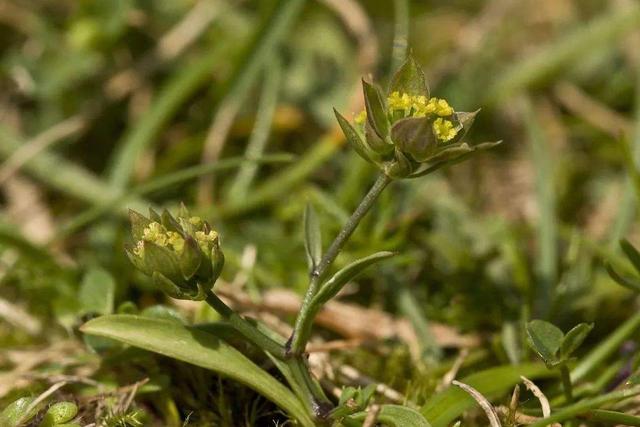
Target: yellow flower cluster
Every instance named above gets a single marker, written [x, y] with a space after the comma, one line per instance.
[158, 234]
[418, 105]
[444, 129]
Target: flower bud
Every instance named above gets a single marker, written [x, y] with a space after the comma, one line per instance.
[182, 255]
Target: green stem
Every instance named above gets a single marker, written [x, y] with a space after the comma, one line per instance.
[566, 383]
[302, 329]
[244, 327]
[586, 405]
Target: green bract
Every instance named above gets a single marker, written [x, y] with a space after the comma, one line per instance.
[408, 132]
[182, 255]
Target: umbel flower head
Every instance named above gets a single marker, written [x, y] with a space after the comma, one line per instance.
[182, 255]
[408, 132]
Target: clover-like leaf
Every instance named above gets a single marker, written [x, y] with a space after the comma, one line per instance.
[59, 413]
[574, 338]
[409, 79]
[545, 339]
[376, 111]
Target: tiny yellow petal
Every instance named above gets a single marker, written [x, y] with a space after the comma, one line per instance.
[444, 129]
[443, 108]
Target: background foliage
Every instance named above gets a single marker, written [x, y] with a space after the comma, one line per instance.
[109, 105]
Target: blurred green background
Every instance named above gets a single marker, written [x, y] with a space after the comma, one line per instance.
[106, 105]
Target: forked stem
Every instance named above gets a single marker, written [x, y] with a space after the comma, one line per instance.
[302, 330]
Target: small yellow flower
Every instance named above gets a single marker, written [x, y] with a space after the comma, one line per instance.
[444, 129]
[195, 220]
[442, 107]
[396, 101]
[175, 240]
[360, 117]
[155, 233]
[204, 239]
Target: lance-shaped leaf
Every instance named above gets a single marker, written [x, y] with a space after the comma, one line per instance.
[376, 111]
[574, 338]
[452, 161]
[545, 339]
[627, 282]
[153, 215]
[217, 261]
[414, 135]
[200, 348]
[409, 79]
[190, 258]
[170, 223]
[138, 223]
[160, 259]
[377, 144]
[631, 252]
[353, 138]
[312, 237]
[465, 120]
[331, 287]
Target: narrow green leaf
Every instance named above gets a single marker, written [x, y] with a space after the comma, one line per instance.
[545, 339]
[614, 417]
[332, 286]
[574, 338]
[586, 405]
[632, 253]
[352, 137]
[627, 282]
[199, 348]
[606, 348]
[409, 79]
[97, 291]
[312, 237]
[376, 111]
[449, 404]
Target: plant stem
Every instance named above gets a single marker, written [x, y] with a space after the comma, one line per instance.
[302, 329]
[566, 383]
[586, 405]
[244, 327]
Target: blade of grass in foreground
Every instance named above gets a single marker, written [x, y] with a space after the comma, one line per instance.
[446, 406]
[545, 196]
